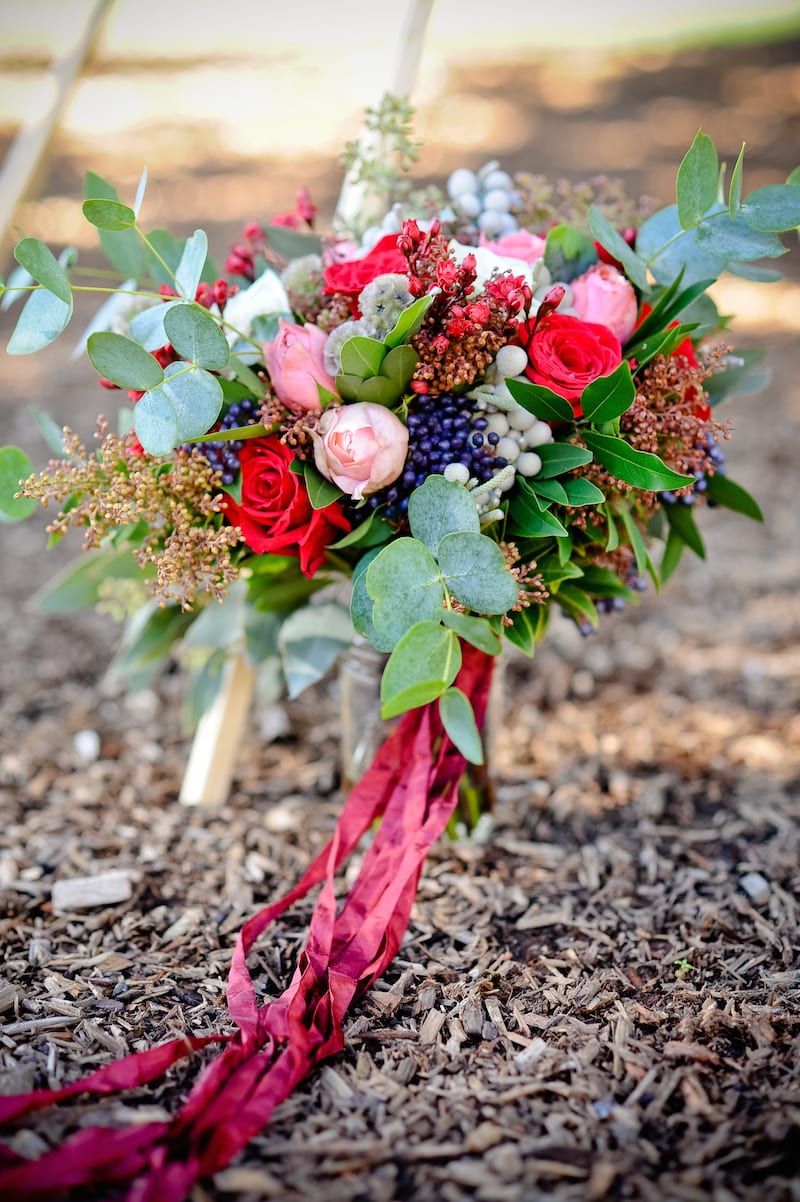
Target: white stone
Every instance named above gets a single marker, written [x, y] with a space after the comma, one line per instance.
[756, 886]
[87, 745]
[82, 893]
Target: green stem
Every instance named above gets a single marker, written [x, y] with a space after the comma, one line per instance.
[239, 334]
[682, 233]
[156, 255]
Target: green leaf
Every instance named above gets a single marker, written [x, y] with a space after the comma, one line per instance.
[362, 357]
[732, 496]
[541, 402]
[109, 215]
[639, 468]
[560, 457]
[406, 586]
[529, 517]
[669, 305]
[189, 271]
[77, 585]
[738, 376]
[42, 265]
[321, 492]
[43, 317]
[698, 176]
[409, 321]
[422, 666]
[602, 582]
[170, 249]
[148, 640]
[399, 365]
[123, 361]
[196, 336]
[147, 326]
[124, 250]
[220, 624]
[774, 208]
[528, 628]
[551, 490]
[673, 551]
[458, 719]
[15, 466]
[362, 605]
[475, 631]
[735, 190]
[372, 532]
[568, 253]
[612, 241]
[439, 507]
[476, 573]
[608, 397]
[292, 244]
[310, 639]
[735, 239]
[19, 279]
[185, 405]
[669, 249]
[612, 540]
[663, 343]
[681, 520]
[581, 491]
[577, 604]
[636, 540]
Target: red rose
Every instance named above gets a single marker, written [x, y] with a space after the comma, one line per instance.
[354, 275]
[565, 354]
[275, 514]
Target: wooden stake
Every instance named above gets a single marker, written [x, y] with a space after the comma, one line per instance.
[215, 748]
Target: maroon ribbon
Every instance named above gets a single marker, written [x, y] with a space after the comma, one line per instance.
[412, 785]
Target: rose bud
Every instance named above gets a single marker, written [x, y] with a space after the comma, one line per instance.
[360, 448]
[603, 295]
[296, 364]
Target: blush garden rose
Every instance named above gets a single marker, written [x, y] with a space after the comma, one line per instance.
[360, 448]
[296, 364]
[275, 515]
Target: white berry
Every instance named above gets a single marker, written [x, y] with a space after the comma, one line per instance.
[538, 434]
[528, 464]
[456, 473]
[511, 361]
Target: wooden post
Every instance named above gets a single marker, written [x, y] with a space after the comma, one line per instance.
[212, 760]
[216, 744]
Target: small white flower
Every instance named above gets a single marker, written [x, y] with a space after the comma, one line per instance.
[265, 295]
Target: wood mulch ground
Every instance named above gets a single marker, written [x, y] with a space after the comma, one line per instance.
[600, 1002]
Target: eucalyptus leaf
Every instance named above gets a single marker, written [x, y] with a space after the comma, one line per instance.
[123, 361]
[476, 631]
[568, 253]
[147, 326]
[15, 466]
[735, 239]
[696, 185]
[361, 605]
[309, 641]
[293, 244]
[44, 316]
[541, 402]
[17, 282]
[124, 249]
[774, 208]
[196, 336]
[476, 573]
[183, 406]
[406, 586]
[50, 431]
[639, 468]
[669, 249]
[190, 269]
[735, 190]
[439, 507]
[109, 215]
[458, 720]
[422, 666]
[140, 190]
[42, 265]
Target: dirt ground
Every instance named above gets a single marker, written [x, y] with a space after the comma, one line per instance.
[602, 1001]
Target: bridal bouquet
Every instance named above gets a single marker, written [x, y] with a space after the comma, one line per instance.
[477, 407]
[487, 404]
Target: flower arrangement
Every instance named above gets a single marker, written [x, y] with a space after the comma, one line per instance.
[479, 411]
[484, 406]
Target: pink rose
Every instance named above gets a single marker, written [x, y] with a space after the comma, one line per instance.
[604, 296]
[296, 364]
[361, 447]
[519, 245]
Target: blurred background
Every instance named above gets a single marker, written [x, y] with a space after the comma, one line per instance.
[232, 107]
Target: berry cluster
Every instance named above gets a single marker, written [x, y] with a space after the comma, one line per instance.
[443, 432]
[715, 459]
[223, 456]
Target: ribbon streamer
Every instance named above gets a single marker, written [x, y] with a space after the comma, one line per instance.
[412, 785]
